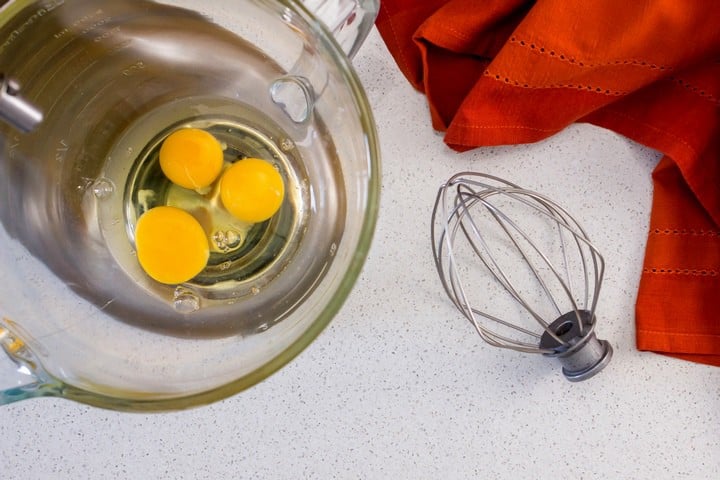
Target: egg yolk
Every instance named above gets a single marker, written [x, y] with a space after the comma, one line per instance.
[171, 245]
[252, 190]
[191, 158]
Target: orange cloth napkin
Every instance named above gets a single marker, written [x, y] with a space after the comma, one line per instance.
[512, 71]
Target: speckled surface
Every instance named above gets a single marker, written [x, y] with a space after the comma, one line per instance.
[399, 386]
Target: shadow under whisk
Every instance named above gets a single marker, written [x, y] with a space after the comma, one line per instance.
[521, 269]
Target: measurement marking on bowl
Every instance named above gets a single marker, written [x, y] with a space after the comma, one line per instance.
[286, 145]
[185, 301]
[103, 188]
[61, 151]
[139, 65]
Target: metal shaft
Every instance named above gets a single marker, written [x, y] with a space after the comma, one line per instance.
[15, 110]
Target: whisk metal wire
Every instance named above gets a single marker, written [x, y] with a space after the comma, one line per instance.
[565, 335]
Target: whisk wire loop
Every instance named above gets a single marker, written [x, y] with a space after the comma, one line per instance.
[466, 209]
[455, 290]
[499, 274]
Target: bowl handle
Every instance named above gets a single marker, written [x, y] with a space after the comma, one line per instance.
[349, 21]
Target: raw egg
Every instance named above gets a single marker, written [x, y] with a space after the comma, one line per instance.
[171, 245]
[252, 190]
[191, 158]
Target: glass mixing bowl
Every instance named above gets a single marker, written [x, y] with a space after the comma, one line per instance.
[80, 317]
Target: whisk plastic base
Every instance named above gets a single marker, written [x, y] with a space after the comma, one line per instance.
[586, 354]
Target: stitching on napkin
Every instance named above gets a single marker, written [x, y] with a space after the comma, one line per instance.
[695, 89]
[679, 334]
[589, 88]
[666, 133]
[457, 33]
[694, 272]
[685, 231]
[569, 59]
[517, 127]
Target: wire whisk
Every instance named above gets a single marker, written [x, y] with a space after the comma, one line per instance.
[521, 269]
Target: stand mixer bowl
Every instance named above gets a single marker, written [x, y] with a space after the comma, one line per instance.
[80, 318]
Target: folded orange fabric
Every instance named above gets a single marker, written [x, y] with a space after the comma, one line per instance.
[513, 71]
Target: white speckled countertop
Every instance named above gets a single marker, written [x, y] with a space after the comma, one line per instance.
[399, 386]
